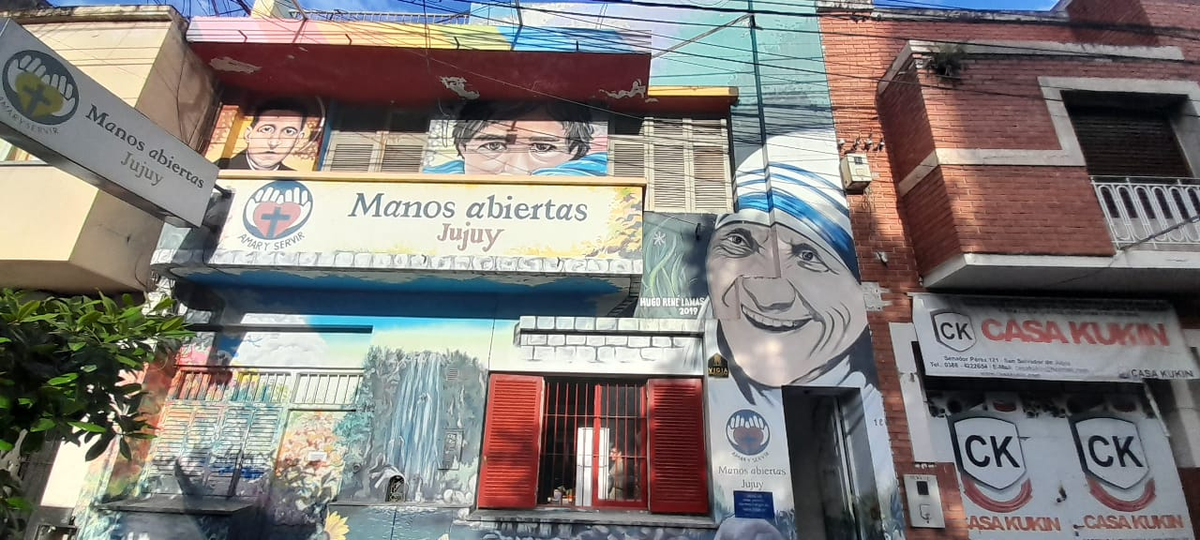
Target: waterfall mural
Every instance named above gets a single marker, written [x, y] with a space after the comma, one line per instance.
[420, 416]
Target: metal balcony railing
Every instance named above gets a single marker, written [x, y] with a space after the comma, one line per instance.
[380, 16]
[1151, 212]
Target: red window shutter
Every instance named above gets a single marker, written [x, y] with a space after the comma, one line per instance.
[678, 461]
[511, 439]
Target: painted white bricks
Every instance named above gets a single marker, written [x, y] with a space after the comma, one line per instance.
[608, 345]
[171, 254]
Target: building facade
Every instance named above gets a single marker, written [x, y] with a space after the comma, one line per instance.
[1032, 231]
[592, 271]
[519, 274]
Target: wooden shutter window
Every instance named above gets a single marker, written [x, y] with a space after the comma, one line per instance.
[368, 139]
[350, 151]
[678, 461]
[508, 474]
[686, 166]
[1128, 142]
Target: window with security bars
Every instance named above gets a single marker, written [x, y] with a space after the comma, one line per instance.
[685, 161]
[373, 139]
[594, 443]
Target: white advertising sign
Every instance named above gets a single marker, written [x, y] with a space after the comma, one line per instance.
[55, 112]
[749, 449]
[1099, 467]
[1050, 338]
[434, 219]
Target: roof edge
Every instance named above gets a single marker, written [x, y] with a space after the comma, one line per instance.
[95, 14]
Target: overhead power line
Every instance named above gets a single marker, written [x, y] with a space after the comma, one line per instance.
[569, 39]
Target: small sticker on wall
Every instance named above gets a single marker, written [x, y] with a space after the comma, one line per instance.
[316, 457]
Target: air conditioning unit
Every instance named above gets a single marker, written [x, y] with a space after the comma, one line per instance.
[856, 173]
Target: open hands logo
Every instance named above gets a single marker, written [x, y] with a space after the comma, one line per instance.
[40, 87]
[748, 432]
[277, 210]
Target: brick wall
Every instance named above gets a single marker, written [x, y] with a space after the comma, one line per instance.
[1190, 478]
[1024, 210]
[974, 209]
[905, 118]
[1106, 12]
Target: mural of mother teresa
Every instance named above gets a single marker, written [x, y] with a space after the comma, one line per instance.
[783, 280]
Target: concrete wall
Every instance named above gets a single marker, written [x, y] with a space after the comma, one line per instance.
[72, 237]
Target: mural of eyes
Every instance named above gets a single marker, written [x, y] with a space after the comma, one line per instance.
[738, 243]
[543, 148]
[291, 131]
[265, 129]
[808, 257]
[492, 147]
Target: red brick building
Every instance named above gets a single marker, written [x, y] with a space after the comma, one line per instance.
[1050, 156]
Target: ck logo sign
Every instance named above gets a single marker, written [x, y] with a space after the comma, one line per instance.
[953, 330]
[1114, 460]
[988, 452]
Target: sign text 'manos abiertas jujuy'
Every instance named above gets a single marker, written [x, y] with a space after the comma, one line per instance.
[486, 209]
[141, 169]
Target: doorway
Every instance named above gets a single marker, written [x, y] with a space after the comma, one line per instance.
[830, 462]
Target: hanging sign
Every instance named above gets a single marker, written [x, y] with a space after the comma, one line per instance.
[52, 110]
[1050, 338]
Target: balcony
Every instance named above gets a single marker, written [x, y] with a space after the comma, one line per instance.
[1150, 212]
[1155, 231]
[413, 232]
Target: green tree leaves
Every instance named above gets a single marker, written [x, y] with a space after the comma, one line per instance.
[69, 370]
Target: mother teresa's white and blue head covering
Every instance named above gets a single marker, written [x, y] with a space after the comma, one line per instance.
[806, 202]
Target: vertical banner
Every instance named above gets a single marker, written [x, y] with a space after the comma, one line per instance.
[748, 451]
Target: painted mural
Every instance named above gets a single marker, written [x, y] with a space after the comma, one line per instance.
[674, 248]
[538, 139]
[415, 435]
[775, 284]
[267, 134]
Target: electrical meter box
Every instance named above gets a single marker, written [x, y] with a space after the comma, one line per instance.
[856, 173]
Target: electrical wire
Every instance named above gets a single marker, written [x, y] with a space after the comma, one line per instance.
[817, 32]
[821, 72]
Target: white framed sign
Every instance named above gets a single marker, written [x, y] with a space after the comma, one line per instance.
[1057, 467]
[54, 111]
[1050, 338]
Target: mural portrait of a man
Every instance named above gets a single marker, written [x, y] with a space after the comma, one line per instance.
[524, 139]
[783, 281]
[276, 130]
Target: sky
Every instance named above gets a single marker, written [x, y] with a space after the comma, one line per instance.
[204, 7]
